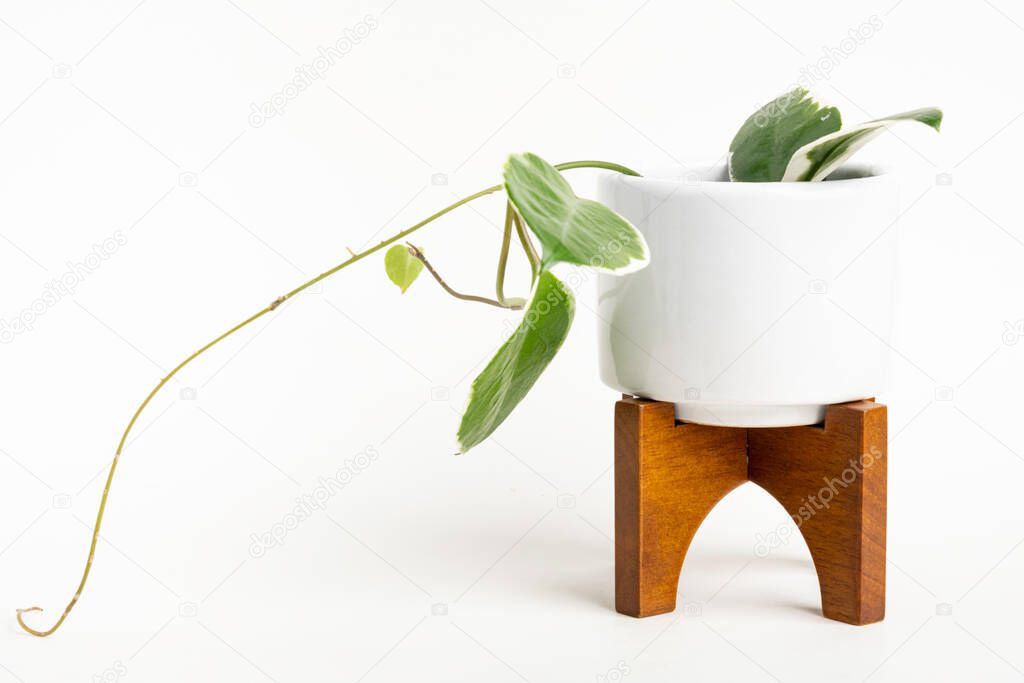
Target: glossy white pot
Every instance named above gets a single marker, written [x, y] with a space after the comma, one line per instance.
[763, 302]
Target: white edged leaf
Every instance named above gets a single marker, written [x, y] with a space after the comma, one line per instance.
[571, 229]
[768, 139]
[817, 159]
[514, 369]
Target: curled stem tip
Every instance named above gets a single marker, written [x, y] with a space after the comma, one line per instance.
[28, 629]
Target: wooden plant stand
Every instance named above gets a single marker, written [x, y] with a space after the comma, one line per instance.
[830, 478]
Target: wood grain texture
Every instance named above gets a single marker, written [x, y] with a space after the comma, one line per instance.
[668, 477]
[830, 478]
[832, 482]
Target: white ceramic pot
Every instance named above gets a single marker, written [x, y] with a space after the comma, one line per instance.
[763, 302]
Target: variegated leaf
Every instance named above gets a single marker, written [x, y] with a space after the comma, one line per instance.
[817, 159]
[570, 229]
[514, 369]
[768, 139]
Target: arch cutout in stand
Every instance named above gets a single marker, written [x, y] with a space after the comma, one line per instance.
[830, 478]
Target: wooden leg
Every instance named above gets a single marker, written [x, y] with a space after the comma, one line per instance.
[832, 481]
[668, 477]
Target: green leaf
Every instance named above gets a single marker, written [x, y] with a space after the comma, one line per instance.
[519, 362]
[570, 229]
[768, 139]
[816, 160]
[401, 266]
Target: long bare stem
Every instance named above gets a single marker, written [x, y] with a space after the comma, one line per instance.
[254, 317]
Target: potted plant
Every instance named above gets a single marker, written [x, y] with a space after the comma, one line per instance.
[731, 320]
[670, 316]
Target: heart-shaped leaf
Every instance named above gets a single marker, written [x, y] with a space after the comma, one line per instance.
[771, 136]
[401, 266]
[519, 362]
[817, 159]
[570, 229]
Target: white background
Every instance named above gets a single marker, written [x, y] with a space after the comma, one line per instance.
[107, 108]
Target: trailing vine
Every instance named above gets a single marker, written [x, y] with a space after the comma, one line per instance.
[512, 219]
